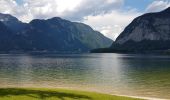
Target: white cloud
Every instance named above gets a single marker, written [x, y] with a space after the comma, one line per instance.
[111, 24]
[111, 31]
[49, 8]
[74, 10]
[70, 5]
[33, 9]
[158, 5]
[7, 6]
[93, 7]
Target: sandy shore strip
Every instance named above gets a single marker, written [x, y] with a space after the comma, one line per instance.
[140, 97]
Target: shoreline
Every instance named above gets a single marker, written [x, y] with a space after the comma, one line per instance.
[84, 91]
[142, 97]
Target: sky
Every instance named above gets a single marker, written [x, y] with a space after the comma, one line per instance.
[110, 17]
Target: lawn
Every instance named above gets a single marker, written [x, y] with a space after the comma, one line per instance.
[54, 94]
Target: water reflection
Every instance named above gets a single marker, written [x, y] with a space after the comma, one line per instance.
[138, 75]
[150, 75]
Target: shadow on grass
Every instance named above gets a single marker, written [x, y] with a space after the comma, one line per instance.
[38, 94]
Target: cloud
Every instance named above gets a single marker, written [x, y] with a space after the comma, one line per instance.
[11, 7]
[49, 8]
[158, 5]
[33, 9]
[112, 24]
[72, 9]
[93, 7]
[7, 6]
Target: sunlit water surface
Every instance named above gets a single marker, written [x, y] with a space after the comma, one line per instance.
[135, 75]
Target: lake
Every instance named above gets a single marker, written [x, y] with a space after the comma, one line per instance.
[123, 74]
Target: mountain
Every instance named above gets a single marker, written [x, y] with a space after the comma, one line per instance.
[150, 31]
[12, 22]
[147, 33]
[51, 35]
[10, 40]
[6, 38]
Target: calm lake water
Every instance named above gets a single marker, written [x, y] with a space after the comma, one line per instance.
[136, 75]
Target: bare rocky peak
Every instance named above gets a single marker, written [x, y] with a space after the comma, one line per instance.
[150, 26]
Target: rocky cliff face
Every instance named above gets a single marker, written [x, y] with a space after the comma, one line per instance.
[148, 32]
[151, 26]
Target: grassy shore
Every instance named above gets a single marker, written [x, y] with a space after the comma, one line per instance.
[54, 94]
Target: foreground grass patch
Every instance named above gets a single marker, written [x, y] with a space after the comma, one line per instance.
[54, 94]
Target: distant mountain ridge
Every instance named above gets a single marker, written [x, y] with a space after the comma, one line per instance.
[51, 35]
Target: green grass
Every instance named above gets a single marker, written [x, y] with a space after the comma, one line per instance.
[54, 94]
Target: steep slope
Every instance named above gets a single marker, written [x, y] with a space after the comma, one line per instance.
[51, 35]
[7, 41]
[93, 39]
[12, 22]
[57, 34]
[148, 32]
